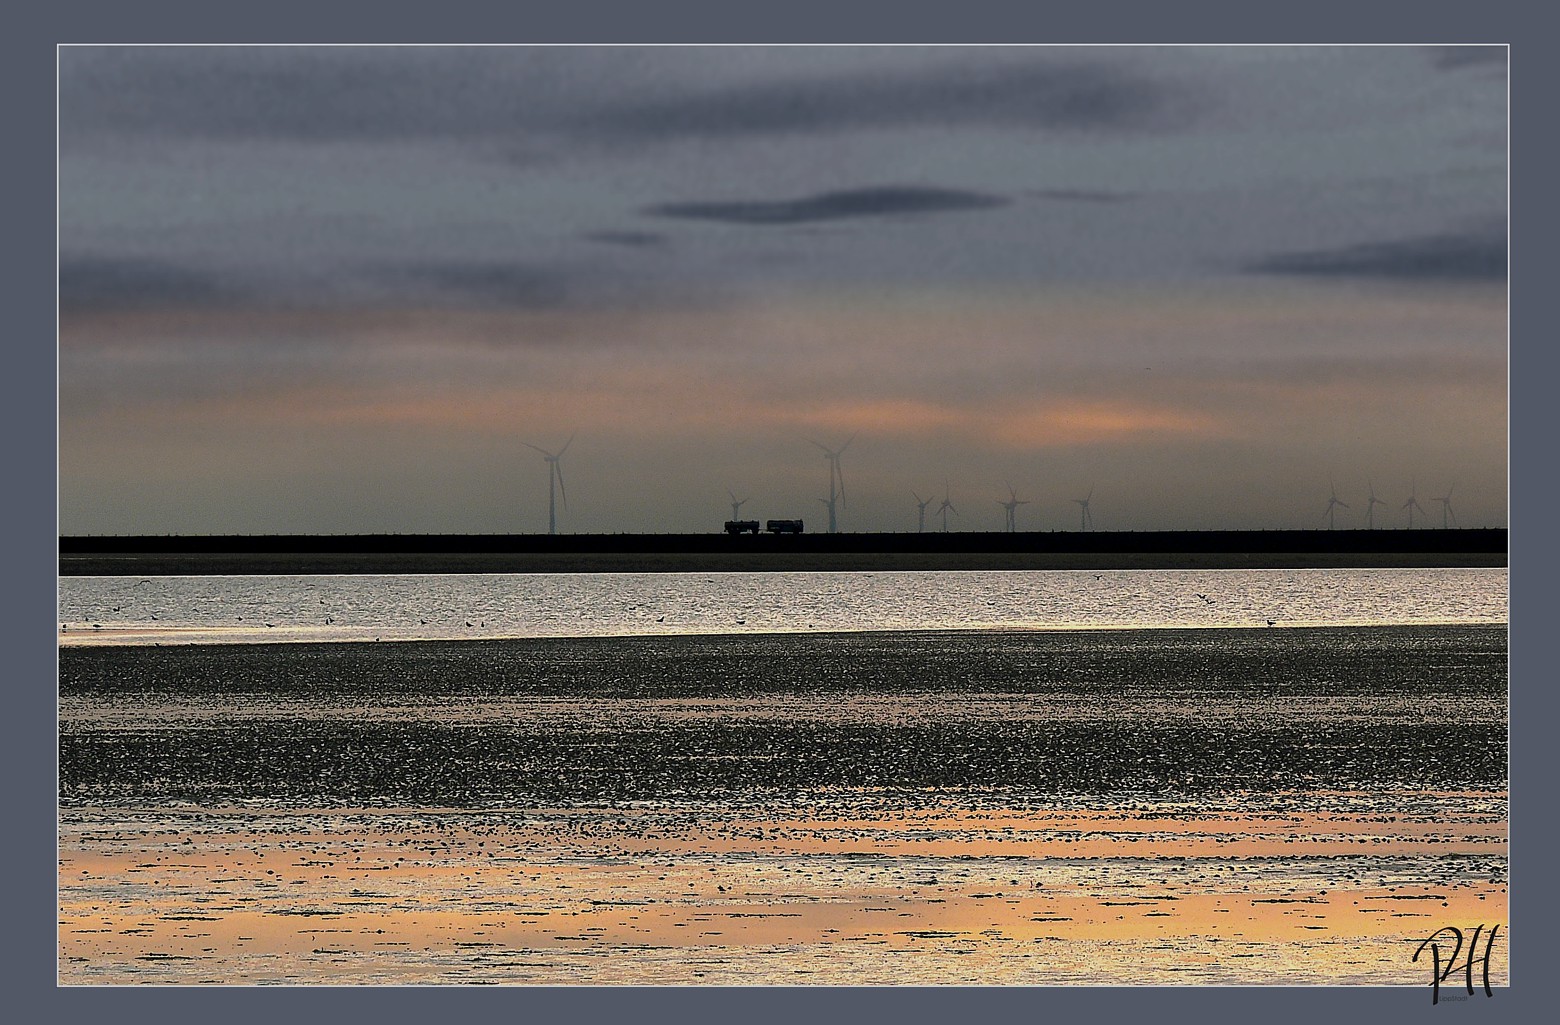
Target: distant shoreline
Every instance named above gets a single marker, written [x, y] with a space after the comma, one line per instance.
[714, 553]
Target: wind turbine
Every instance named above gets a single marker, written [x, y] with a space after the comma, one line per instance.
[1370, 507]
[1447, 516]
[1085, 518]
[554, 476]
[946, 508]
[1332, 504]
[736, 503]
[1412, 504]
[920, 512]
[835, 477]
[1011, 505]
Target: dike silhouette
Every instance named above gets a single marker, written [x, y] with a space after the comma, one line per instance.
[100, 555]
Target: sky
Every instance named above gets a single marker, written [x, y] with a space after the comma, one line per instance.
[312, 289]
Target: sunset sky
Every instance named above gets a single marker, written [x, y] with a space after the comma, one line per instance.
[320, 289]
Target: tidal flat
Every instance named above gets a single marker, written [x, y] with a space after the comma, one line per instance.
[1225, 806]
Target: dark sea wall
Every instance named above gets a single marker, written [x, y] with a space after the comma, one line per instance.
[523, 553]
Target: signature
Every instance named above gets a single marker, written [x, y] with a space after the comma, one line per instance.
[1439, 975]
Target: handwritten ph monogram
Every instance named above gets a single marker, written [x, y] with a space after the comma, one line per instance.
[1440, 975]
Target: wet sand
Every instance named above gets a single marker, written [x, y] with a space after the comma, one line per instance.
[1170, 807]
[937, 895]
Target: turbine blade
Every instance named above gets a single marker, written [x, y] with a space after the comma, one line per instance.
[558, 469]
[566, 445]
[543, 451]
[847, 443]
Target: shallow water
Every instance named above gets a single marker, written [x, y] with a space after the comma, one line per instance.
[124, 610]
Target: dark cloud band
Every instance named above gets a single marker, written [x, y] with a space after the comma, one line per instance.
[1452, 58]
[504, 96]
[631, 239]
[1044, 94]
[1474, 257]
[832, 206]
[89, 283]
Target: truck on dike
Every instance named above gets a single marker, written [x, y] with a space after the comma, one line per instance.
[773, 526]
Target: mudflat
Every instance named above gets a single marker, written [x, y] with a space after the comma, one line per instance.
[1225, 806]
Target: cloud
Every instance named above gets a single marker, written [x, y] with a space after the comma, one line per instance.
[527, 97]
[482, 283]
[312, 94]
[1082, 195]
[90, 283]
[1073, 96]
[98, 284]
[632, 239]
[1453, 58]
[1471, 256]
[880, 201]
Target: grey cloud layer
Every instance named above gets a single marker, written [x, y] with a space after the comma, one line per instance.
[89, 282]
[1081, 195]
[1071, 96]
[1478, 256]
[505, 95]
[1451, 58]
[632, 239]
[832, 206]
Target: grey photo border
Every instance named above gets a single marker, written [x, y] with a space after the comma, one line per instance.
[29, 70]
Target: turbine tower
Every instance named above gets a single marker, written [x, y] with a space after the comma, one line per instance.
[1085, 518]
[946, 508]
[1333, 504]
[1011, 505]
[736, 503]
[1412, 504]
[554, 481]
[1370, 508]
[835, 478]
[920, 512]
[1447, 516]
